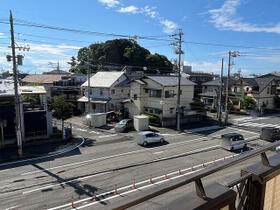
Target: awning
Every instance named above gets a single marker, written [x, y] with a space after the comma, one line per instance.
[95, 101]
[127, 101]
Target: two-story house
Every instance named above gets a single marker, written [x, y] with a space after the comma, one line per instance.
[157, 95]
[211, 90]
[262, 90]
[198, 78]
[107, 91]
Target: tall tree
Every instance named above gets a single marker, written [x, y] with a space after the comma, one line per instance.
[120, 52]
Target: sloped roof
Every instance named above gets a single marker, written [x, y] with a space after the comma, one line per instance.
[103, 79]
[263, 82]
[56, 71]
[42, 78]
[124, 83]
[170, 80]
[251, 81]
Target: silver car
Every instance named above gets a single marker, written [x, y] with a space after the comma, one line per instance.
[146, 137]
[233, 141]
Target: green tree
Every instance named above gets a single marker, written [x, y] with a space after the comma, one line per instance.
[247, 102]
[119, 52]
[198, 106]
[62, 110]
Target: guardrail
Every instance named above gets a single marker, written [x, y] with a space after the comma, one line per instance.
[196, 177]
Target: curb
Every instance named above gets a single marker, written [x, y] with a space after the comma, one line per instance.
[48, 155]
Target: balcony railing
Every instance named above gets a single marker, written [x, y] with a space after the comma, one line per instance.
[242, 185]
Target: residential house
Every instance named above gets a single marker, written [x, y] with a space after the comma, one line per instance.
[263, 90]
[107, 91]
[157, 95]
[199, 78]
[30, 111]
[57, 84]
[211, 90]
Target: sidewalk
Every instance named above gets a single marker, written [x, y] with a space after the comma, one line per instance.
[38, 150]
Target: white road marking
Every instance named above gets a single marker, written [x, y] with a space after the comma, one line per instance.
[139, 188]
[43, 157]
[10, 208]
[111, 156]
[94, 132]
[105, 136]
[156, 153]
[80, 129]
[63, 183]
[241, 130]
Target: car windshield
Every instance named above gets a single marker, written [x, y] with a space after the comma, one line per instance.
[123, 122]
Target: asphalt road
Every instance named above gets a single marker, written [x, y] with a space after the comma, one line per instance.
[114, 161]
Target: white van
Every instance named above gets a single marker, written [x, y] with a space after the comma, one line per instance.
[233, 141]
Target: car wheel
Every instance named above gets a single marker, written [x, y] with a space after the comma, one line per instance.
[145, 143]
[161, 140]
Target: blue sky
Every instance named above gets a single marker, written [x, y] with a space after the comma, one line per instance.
[253, 23]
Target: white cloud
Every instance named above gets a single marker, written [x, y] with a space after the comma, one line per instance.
[149, 11]
[225, 18]
[130, 9]
[110, 3]
[205, 66]
[2, 36]
[169, 26]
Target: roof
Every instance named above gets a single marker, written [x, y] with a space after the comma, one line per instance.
[263, 82]
[231, 134]
[124, 83]
[42, 78]
[139, 81]
[93, 100]
[56, 71]
[170, 80]
[6, 87]
[251, 81]
[103, 79]
[32, 90]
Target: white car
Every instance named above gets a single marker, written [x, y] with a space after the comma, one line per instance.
[233, 141]
[146, 137]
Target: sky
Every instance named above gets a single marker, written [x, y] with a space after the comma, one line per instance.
[211, 29]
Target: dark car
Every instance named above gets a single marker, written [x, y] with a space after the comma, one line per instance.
[124, 125]
[270, 134]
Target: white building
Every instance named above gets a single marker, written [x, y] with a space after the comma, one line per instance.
[107, 91]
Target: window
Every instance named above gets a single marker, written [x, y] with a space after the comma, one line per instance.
[121, 90]
[155, 93]
[158, 111]
[247, 89]
[268, 90]
[146, 109]
[151, 111]
[235, 89]
[169, 93]
[113, 91]
[112, 106]
[171, 110]
[101, 92]
[146, 90]
[135, 97]
[93, 106]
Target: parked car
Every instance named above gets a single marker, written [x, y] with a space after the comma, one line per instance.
[270, 134]
[124, 125]
[146, 137]
[233, 141]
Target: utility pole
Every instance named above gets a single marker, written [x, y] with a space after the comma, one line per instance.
[178, 43]
[230, 54]
[88, 76]
[15, 76]
[221, 93]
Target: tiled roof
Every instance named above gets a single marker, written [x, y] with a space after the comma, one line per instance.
[42, 78]
[170, 80]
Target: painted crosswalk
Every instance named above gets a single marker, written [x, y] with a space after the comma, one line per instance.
[259, 125]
